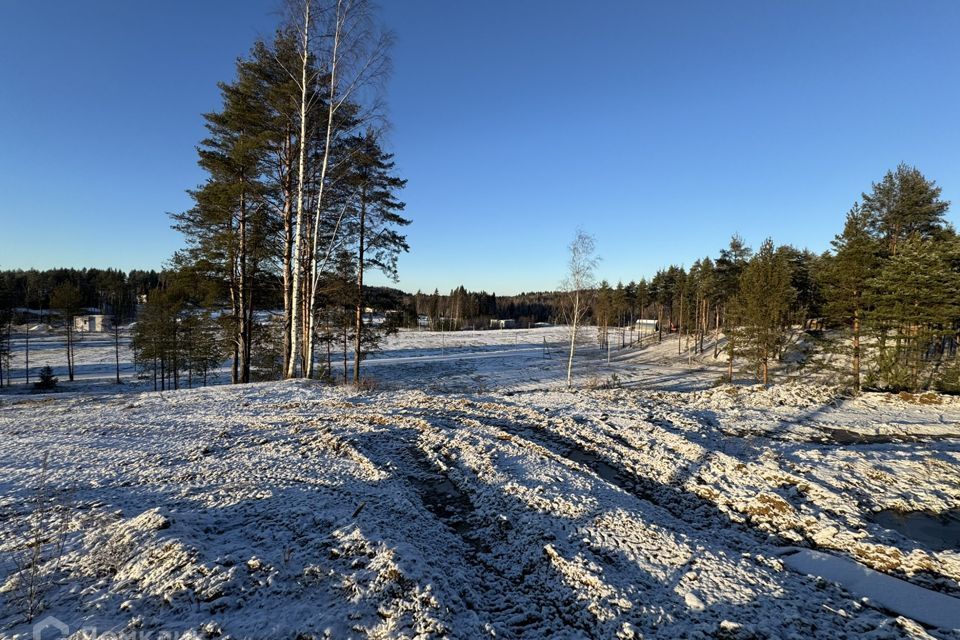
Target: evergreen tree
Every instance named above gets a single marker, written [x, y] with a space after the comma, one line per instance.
[763, 303]
[66, 299]
[47, 381]
[281, 95]
[916, 310]
[902, 205]
[228, 229]
[602, 309]
[375, 209]
[804, 265]
[729, 266]
[707, 292]
[155, 339]
[846, 281]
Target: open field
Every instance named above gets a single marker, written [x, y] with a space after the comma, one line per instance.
[461, 361]
[510, 508]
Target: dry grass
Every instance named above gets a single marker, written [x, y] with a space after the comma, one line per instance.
[927, 398]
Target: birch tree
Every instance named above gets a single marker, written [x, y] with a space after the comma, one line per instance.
[292, 287]
[351, 54]
[577, 287]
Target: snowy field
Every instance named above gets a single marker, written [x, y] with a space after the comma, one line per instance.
[462, 361]
[470, 495]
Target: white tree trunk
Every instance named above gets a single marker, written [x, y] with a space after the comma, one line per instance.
[308, 341]
[301, 169]
[573, 337]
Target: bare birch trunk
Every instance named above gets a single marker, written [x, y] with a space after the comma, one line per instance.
[242, 329]
[301, 168]
[288, 197]
[573, 337]
[331, 109]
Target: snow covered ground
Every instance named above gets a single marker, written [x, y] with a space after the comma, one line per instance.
[297, 510]
[461, 361]
[472, 495]
[467, 361]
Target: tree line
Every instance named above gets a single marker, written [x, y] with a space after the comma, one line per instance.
[109, 291]
[883, 303]
[885, 299]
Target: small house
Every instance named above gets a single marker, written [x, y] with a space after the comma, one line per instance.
[92, 323]
[507, 323]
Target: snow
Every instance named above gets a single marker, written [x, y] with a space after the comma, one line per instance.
[471, 495]
[934, 609]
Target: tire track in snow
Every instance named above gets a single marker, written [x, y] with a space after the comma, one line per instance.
[505, 605]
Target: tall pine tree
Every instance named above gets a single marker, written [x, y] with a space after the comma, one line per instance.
[847, 282]
[228, 230]
[372, 188]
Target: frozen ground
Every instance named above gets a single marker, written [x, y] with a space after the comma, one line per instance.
[462, 361]
[293, 510]
[95, 364]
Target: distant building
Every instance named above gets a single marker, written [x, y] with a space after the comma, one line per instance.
[507, 323]
[92, 323]
[647, 326]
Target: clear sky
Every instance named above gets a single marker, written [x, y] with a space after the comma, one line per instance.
[660, 127]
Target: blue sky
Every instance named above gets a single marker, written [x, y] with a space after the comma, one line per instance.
[661, 128]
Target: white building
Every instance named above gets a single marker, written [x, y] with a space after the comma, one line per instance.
[647, 326]
[92, 323]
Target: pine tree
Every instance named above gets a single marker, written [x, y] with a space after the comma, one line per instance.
[228, 229]
[916, 310]
[602, 308]
[375, 210]
[902, 205]
[155, 338]
[847, 281]
[67, 300]
[707, 308]
[763, 303]
[621, 309]
[274, 67]
[47, 380]
[729, 266]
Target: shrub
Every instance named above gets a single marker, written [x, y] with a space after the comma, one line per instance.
[47, 379]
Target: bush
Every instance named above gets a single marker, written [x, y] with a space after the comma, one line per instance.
[47, 379]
